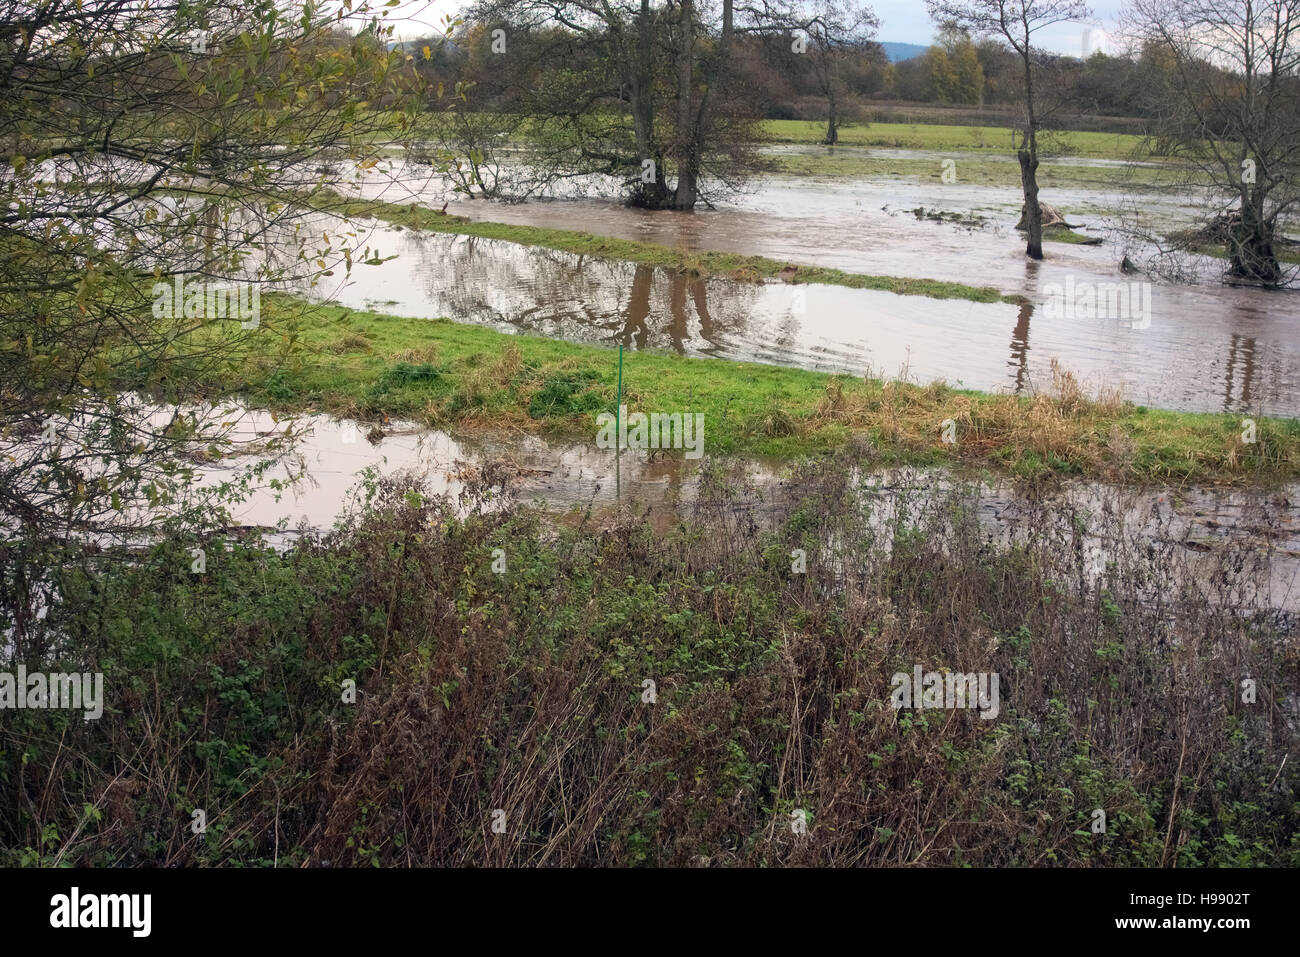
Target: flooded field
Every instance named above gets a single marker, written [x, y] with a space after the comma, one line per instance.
[1201, 532]
[1210, 350]
[1204, 347]
[379, 489]
[859, 224]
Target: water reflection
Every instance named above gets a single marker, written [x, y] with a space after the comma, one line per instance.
[1239, 392]
[1189, 357]
[573, 297]
[1257, 533]
[687, 300]
[638, 309]
[1241, 352]
[1020, 347]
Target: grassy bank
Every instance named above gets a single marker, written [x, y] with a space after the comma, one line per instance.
[1285, 254]
[1063, 234]
[921, 136]
[698, 263]
[944, 138]
[624, 696]
[468, 377]
[999, 171]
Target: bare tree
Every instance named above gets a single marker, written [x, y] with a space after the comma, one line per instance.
[597, 104]
[646, 93]
[1230, 103]
[826, 32]
[1018, 22]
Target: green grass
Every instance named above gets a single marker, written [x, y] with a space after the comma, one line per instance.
[1063, 234]
[471, 378]
[978, 170]
[919, 136]
[925, 136]
[696, 262]
[1285, 254]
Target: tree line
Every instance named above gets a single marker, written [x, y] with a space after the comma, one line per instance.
[957, 69]
[667, 97]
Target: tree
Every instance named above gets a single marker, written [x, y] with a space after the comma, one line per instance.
[151, 153]
[956, 75]
[1230, 103]
[651, 93]
[965, 73]
[943, 81]
[1017, 22]
[605, 74]
[834, 29]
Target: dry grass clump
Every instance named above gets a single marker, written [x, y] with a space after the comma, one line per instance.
[426, 354]
[1061, 427]
[775, 423]
[351, 342]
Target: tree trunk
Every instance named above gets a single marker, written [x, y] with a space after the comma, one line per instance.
[650, 195]
[687, 187]
[1252, 252]
[832, 121]
[1033, 216]
[687, 154]
[1028, 156]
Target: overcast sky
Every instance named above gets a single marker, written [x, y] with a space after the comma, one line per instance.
[905, 21]
[901, 21]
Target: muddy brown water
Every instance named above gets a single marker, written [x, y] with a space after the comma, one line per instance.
[1259, 530]
[1217, 351]
[1204, 347]
[317, 469]
[1207, 347]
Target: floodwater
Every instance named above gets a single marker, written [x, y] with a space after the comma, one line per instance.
[1257, 533]
[1234, 353]
[323, 472]
[1202, 346]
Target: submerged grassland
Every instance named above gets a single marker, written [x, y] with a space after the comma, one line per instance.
[695, 262]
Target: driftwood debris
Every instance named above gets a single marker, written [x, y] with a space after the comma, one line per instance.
[1051, 217]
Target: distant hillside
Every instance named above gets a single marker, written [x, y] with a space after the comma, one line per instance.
[902, 51]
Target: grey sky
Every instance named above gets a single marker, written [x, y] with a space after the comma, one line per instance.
[901, 21]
